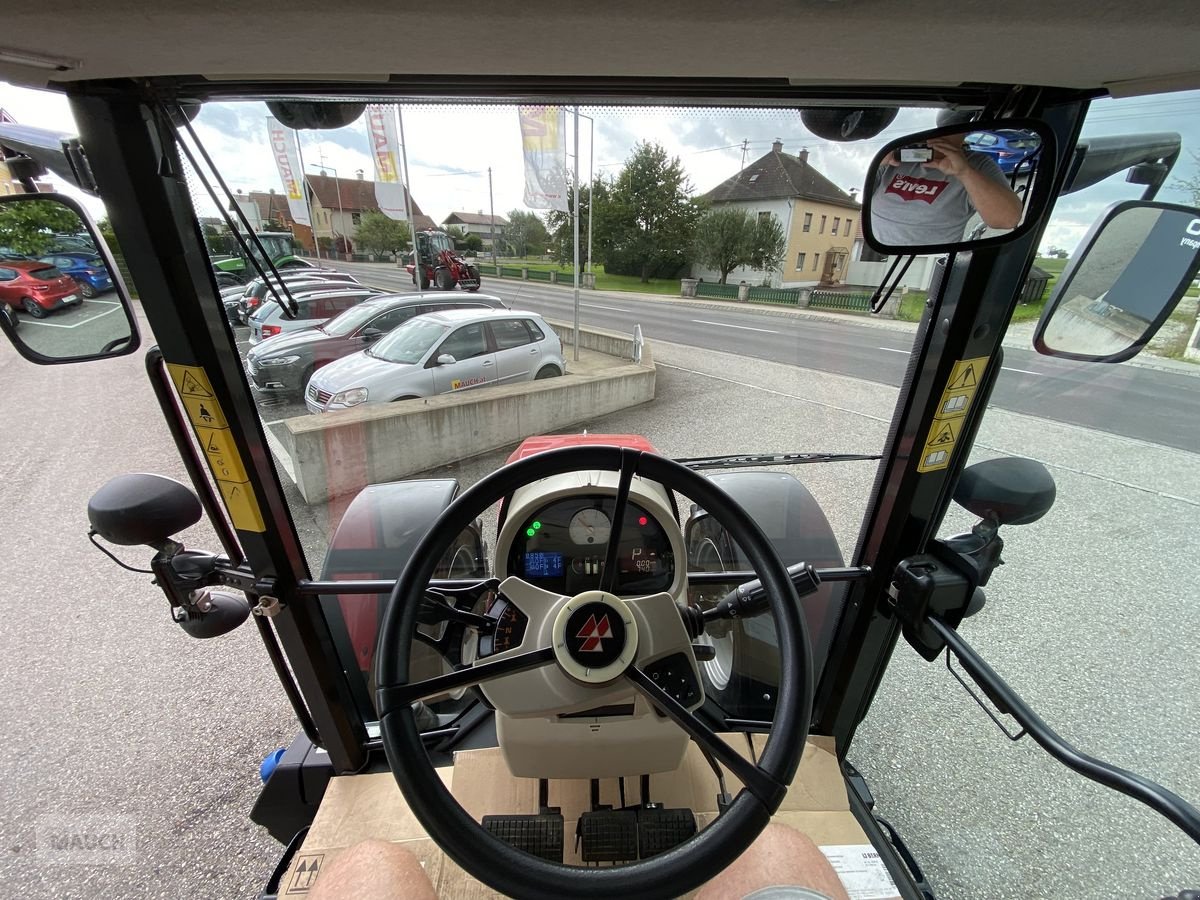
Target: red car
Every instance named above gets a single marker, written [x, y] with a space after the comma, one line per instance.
[36, 287]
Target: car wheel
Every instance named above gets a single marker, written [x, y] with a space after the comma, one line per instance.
[87, 290]
[424, 283]
[473, 271]
[445, 281]
[408, 397]
[547, 372]
[31, 306]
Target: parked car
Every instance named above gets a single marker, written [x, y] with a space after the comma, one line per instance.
[37, 288]
[285, 363]
[88, 270]
[258, 291]
[312, 309]
[1006, 146]
[440, 353]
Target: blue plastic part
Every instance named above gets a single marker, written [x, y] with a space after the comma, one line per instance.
[269, 764]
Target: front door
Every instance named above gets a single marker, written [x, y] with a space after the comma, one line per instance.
[474, 362]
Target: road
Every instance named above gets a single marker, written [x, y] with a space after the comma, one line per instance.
[1147, 404]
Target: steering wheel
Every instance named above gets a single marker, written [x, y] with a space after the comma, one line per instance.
[501, 865]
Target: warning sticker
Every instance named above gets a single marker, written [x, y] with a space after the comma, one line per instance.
[215, 438]
[305, 874]
[863, 874]
[952, 407]
[242, 505]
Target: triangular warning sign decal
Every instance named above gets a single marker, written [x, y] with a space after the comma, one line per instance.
[945, 436]
[213, 446]
[966, 379]
[190, 385]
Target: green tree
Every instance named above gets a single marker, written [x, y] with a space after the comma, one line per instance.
[768, 244]
[28, 228]
[1191, 185]
[723, 239]
[473, 243]
[380, 234]
[526, 233]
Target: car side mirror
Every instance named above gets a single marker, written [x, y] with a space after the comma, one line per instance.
[446, 359]
[55, 316]
[1126, 278]
[371, 334]
[913, 204]
[1011, 490]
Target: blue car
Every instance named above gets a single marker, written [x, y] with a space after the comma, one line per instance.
[1006, 146]
[86, 268]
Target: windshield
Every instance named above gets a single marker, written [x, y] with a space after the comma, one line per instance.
[409, 343]
[350, 321]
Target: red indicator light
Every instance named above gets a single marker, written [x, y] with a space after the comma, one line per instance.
[642, 520]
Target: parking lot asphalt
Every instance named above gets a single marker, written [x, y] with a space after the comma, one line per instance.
[111, 710]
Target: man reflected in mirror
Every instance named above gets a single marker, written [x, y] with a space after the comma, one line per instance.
[923, 203]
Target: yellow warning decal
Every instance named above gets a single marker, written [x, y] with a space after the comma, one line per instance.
[216, 440]
[952, 406]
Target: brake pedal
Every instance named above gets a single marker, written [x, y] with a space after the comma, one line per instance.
[539, 835]
[607, 835]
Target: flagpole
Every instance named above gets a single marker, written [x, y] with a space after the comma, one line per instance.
[312, 220]
[410, 204]
[575, 242]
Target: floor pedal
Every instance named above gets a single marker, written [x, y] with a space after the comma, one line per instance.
[660, 830]
[540, 835]
[607, 835]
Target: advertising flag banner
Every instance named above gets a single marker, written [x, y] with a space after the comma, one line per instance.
[287, 160]
[543, 143]
[385, 150]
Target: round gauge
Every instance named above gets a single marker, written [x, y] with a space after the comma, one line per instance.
[590, 526]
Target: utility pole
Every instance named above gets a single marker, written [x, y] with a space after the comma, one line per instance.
[745, 147]
[492, 211]
[575, 242]
[591, 188]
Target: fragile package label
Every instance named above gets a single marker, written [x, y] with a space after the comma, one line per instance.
[863, 873]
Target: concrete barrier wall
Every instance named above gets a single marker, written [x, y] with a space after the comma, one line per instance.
[611, 343]
[335, 454]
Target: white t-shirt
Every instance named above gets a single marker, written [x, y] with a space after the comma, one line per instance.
[914, 205]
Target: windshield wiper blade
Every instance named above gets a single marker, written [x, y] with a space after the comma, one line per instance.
[748, 460]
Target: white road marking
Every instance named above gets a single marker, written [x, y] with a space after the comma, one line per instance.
[1023, 371]
[893, 350]
[115, 306]
[727, 325]
[598, 306]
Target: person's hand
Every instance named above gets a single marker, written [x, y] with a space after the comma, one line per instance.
[948, 156]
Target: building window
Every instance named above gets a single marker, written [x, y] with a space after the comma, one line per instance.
[848, 224]
[808, 221]
[822, 231]
[356, 218]
[837, 221]
[764, 217]
[799, 262]
[816, 256]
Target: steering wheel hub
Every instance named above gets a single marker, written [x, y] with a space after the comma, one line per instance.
[595, 637]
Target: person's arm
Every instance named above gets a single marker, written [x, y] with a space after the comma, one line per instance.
[997, 204]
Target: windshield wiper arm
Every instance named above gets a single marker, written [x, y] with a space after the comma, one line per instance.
[747, 460]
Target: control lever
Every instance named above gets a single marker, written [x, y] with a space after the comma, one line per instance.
[750, 599]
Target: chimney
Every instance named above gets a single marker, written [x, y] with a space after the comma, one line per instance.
[777, 146]
[359, 173]
[803, 155]
[854, 194]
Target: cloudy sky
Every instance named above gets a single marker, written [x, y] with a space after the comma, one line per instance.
[451, 148]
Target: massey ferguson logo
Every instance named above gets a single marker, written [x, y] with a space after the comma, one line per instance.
[593, 634]
[910, 187]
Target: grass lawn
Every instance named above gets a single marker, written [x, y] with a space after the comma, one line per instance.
[604, 281]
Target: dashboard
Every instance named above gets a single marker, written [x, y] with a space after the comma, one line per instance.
[560, 547]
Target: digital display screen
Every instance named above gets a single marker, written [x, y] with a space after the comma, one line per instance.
[543, 565]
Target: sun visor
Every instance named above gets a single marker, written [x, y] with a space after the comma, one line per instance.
[55, 151]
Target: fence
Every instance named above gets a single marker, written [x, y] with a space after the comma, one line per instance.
[717, 291]
[777, 296]
[509, 272]
[839, 300]
[539, 275]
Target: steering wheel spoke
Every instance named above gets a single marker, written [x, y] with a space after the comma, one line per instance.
[393, 696]
[759, 782]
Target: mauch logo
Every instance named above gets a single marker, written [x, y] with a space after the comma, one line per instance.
[910, 187]
[593, 634]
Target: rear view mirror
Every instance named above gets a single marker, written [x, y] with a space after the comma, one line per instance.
[958, 187]
[1128, 274]
[62, 296]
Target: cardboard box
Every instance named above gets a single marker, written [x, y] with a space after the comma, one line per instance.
[358, 807]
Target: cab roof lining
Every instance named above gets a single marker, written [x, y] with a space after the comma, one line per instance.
[1101, 44]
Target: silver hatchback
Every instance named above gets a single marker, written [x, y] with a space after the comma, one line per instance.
[440, 353]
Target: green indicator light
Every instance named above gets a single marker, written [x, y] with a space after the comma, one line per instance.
[530, 532]
[537, 525]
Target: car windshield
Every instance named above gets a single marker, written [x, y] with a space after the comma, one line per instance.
[350, 321]
[409, 343]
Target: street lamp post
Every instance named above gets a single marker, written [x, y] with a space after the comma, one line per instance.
[338, 184]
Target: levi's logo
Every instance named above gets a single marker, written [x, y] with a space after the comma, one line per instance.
[910, 187]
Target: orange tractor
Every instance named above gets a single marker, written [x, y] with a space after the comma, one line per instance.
[441, 265]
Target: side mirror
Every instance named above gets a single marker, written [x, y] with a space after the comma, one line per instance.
[64, 296]
[958, 187]
[1130, 271]
[371, 334]
[1010, 489]
[446, 359]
